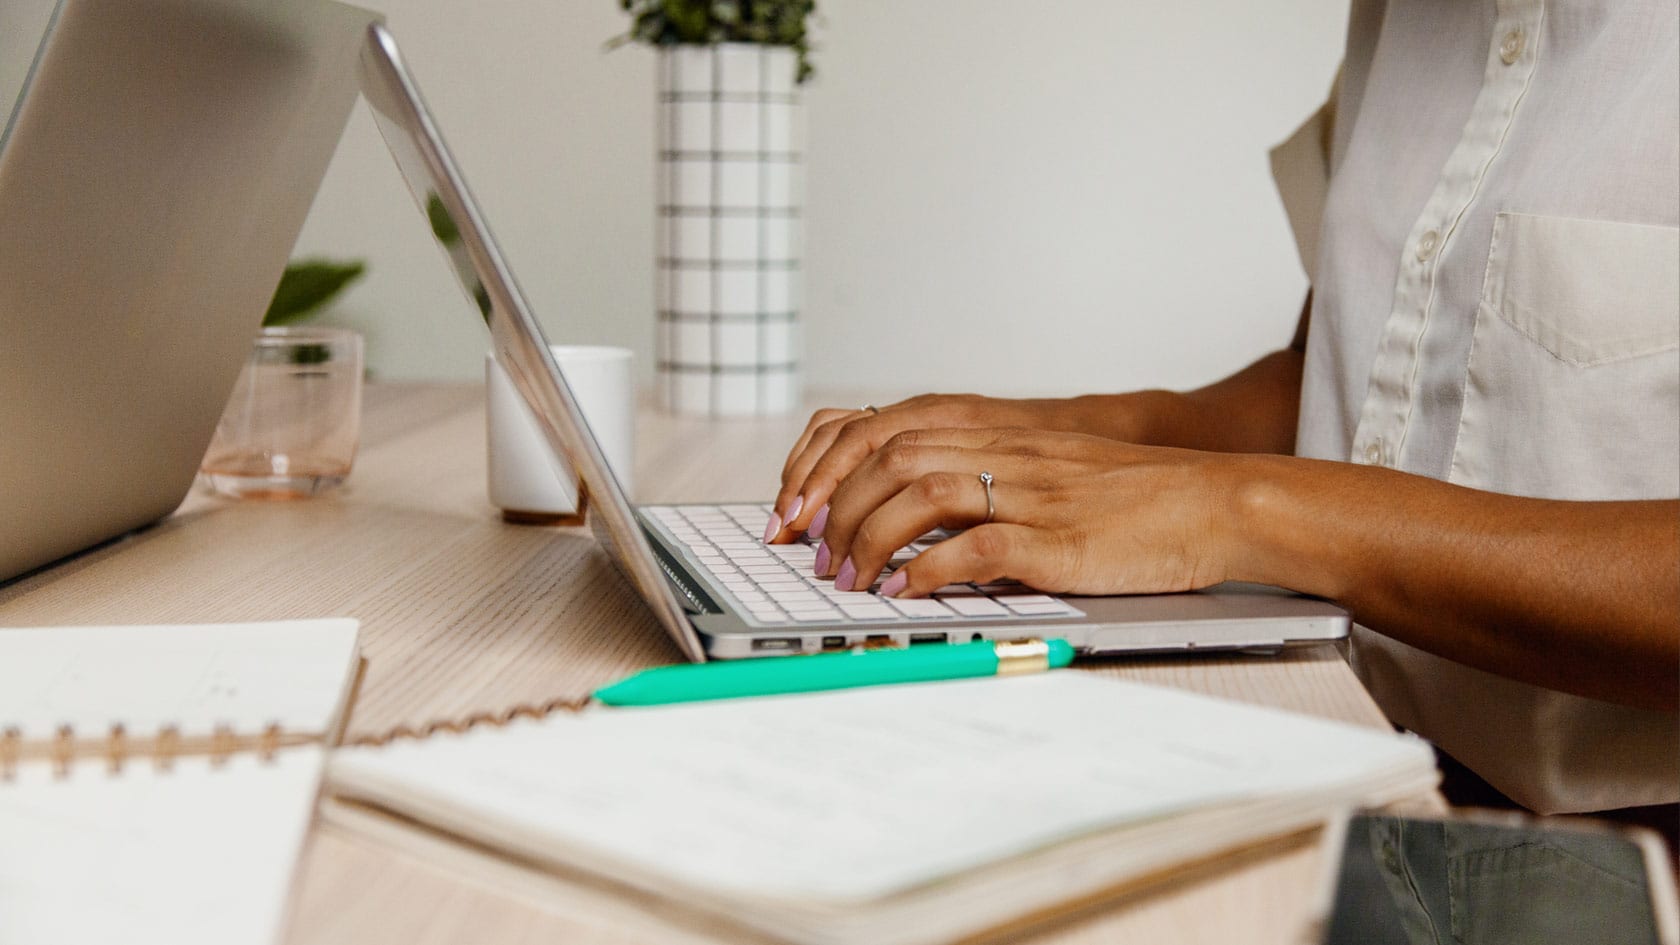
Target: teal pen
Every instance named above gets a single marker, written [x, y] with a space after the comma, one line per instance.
[926, 662]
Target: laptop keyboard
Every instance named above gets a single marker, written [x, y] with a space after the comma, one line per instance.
[773, 584]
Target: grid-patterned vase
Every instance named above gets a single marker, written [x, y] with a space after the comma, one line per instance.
[728, 260]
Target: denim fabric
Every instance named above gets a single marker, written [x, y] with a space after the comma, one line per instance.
[1413, 882]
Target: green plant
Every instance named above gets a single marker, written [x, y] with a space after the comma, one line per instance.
[771, 22]
[306, 286]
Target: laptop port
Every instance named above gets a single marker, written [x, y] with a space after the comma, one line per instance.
[776, 643]
[927, 638]
[834, 643]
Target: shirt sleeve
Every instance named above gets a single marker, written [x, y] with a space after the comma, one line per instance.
[1301, 172]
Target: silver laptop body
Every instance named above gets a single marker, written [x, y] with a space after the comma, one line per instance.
[704, 613]
[154, 175]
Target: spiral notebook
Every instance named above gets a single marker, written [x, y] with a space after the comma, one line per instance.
[157, 783]
[892, 815]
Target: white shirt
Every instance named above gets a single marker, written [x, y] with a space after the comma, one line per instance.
[1496, 279]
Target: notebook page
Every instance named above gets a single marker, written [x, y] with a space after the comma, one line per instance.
[193, 855]
[857, 794]
[245, 676]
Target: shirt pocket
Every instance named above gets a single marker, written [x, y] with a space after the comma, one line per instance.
[1572, 390]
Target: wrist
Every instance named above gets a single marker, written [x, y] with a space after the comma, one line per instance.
[1141, 417]
[1271, 524]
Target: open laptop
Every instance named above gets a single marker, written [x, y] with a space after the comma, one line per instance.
[154, 175]
[718, 591]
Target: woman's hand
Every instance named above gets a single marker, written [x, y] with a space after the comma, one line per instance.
[836, 442]
[1574, 596]
[1072, 513]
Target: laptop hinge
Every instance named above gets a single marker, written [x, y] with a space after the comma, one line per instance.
[694, 600]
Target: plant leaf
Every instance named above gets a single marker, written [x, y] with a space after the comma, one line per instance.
[308, 285]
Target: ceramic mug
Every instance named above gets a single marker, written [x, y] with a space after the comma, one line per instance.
[527, 481]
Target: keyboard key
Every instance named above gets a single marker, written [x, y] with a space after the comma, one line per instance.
[869, 610]
[976, 607]
[815, 616]
[1010, 600]
[920, 609]
[1053, 609]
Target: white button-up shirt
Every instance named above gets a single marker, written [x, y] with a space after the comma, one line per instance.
[1496, 276]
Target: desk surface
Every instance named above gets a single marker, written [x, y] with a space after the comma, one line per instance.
[462, 613]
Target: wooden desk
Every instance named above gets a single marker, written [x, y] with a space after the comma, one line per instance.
[462, 613]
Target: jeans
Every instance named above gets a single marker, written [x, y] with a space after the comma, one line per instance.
[1427, 882]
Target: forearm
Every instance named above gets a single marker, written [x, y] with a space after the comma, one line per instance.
[1252, 411]
[1583, 597]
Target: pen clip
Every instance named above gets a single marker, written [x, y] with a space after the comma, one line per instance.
[1022, 656]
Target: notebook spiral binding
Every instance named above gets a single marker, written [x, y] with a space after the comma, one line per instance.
[475, 720]
[119, 749]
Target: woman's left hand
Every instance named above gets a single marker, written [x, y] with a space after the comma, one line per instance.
[1071, 514]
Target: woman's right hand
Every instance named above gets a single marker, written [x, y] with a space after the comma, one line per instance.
[836, 441]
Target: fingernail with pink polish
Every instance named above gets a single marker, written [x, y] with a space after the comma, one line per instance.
[771, 529]
[895, 584]
[818, 523]
[821, 566]
[793, 510]
[848, 574]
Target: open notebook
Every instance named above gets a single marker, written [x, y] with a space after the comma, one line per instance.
[157, 783]
[903, 814]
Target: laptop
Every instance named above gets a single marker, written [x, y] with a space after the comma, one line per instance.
[715, 587]
[154, 175]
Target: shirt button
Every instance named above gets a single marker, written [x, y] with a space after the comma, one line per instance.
[1427, 244]
[1374, 453]
[1511, 47]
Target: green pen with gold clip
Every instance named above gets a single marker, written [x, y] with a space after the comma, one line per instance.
[928, 662]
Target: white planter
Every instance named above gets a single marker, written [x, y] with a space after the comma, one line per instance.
[730, 166]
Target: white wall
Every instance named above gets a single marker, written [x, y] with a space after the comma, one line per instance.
[1001, 196]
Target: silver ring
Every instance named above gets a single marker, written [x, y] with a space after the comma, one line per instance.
[870, 408]
[986, 480]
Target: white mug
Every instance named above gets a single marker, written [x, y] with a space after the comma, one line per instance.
[527, 481]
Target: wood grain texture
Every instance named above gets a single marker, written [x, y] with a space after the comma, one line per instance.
[462, 613]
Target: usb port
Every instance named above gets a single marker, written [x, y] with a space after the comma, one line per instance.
[927, 638]
[776, 643]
